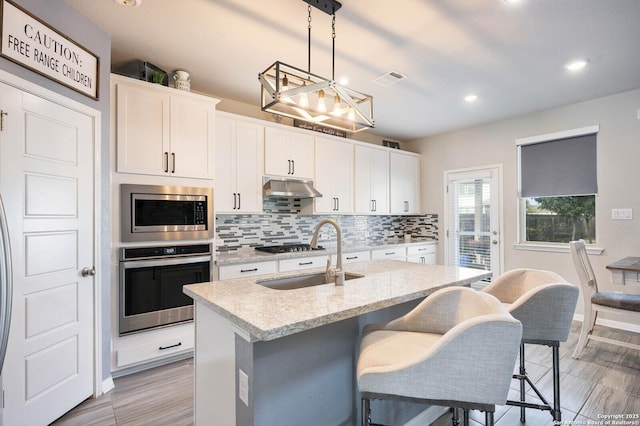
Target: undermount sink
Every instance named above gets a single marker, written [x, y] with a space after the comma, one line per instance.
[302, 281]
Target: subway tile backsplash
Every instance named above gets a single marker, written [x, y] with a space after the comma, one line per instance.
[235, 232]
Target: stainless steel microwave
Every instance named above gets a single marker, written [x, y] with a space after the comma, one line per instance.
[161, 213]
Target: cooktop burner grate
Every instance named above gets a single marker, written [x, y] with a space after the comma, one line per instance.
[288, 248]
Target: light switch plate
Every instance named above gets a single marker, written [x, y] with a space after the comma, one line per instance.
[621, 214]
[243, 387]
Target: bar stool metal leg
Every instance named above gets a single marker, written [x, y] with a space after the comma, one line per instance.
[465, 417]
[556, 413]
[488, 418]
[366, 412]
[455, 420]
[523, 374]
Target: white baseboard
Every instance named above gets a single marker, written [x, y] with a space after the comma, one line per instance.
[635, 328]
[107, 384]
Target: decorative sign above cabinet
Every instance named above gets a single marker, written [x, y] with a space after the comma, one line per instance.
[32, 43]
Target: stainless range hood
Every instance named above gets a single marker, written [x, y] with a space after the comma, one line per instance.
[288, 188]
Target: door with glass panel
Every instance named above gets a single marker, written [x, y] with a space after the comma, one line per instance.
[472, 218]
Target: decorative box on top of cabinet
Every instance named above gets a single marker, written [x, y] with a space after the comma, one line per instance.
[239, 164]
[163, 131]
[334, 176]
[288, 153]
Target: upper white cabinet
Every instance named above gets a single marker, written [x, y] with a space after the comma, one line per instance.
[288, 153]
[334, 176]
[371, 180]
[238, 165]
[163, 131]
[404, 185]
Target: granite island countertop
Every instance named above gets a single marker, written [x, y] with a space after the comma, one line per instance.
[267, 314]
[252, 255]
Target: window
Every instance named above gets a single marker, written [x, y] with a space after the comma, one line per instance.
[557, 186]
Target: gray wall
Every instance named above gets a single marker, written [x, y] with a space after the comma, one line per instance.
[70, 22]
[618, 176]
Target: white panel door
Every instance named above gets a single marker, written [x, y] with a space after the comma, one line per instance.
[47, 182]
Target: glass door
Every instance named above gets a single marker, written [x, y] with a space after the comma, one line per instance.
[472, 219]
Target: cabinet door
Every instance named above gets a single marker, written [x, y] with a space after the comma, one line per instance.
[404, 174]
[225, 189]
[371, 180]
[192, 138]
[239, 157]
[288, 153]
[276, 155]
[142, 120]
[334, 176]
[249, 154]
[380, 181]
[300, 148]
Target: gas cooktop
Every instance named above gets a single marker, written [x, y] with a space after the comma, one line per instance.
[288, 248]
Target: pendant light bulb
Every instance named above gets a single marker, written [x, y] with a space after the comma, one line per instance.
[304, 99]
[284, 88]
[322, 106]
[337, 111]
[351, 115]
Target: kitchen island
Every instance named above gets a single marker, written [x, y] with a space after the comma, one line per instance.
[288, 357]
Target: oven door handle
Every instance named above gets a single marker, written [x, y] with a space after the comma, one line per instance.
[146, 263]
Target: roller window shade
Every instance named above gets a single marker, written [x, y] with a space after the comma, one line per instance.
[560, 167]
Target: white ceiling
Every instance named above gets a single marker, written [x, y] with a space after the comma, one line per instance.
[510, 55]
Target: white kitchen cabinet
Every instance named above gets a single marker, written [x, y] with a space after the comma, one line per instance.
[163, 131]
[228, 272]
[334, 176]
[371, 180]
[404, 183]
[288, 153]
[238, 165]
[353, 257]
[395, 253]
[287, 265]
[423, 253]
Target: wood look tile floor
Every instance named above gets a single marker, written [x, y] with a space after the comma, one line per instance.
[606, 380]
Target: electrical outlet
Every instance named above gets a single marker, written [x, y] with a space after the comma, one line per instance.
[243, 387]
[621, 214]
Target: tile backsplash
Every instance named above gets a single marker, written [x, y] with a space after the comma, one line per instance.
[235, 232]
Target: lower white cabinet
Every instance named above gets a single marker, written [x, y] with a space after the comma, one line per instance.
[287, 265]
[153, 345]
[425, 253]
[396, 253]
[228, 272]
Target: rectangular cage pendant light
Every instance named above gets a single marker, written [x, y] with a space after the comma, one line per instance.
[298, 94]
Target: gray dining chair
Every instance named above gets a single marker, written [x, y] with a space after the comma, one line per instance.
[596, 301]
[457, 349]
[545, 303]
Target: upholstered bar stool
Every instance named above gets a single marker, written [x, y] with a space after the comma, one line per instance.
[457, 348]
[545, 303]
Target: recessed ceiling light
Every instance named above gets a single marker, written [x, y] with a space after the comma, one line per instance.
[576, 65]
[130, 3]
[511, 1]
[471, 98]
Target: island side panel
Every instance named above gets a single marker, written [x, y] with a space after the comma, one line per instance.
[307, 378]
[214, 365]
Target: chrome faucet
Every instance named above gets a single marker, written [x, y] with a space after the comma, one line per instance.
[336, 272]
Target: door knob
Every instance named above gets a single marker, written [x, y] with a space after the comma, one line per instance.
[88, 272]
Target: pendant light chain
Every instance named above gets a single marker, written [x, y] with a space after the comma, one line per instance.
[333, 47]
[309, 40]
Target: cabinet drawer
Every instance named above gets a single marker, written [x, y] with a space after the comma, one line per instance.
[154, 350]
[428, 259]
[347, 258]
[389, 253]
[421, 250]
[246, 270]
[287, 265]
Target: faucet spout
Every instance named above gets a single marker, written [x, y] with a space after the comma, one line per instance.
[338, 272]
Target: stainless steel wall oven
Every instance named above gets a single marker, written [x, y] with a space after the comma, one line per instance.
[151, 280]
